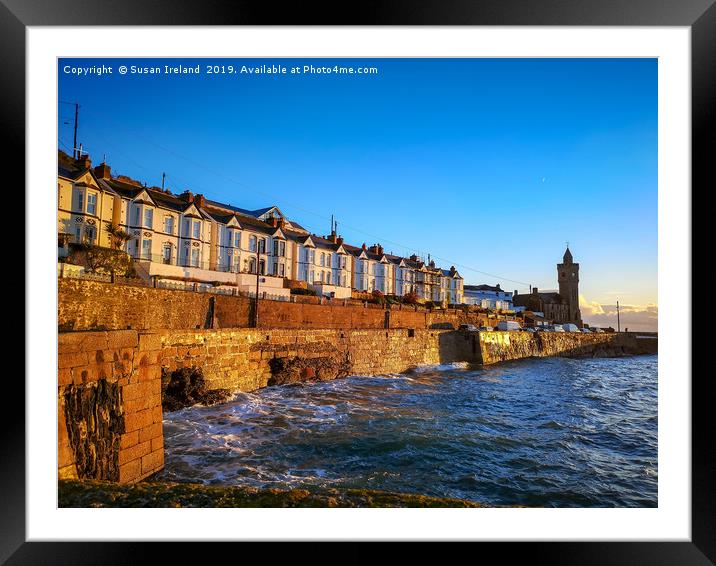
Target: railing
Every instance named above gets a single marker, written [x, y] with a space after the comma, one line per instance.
[75, 272]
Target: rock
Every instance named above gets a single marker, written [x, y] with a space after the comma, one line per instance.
[186, 387]
[300, 369]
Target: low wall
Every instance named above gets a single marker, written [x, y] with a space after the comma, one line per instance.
[110, 382]
[95, 305]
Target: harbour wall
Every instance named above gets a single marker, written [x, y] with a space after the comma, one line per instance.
[111, 383]
[94, 305]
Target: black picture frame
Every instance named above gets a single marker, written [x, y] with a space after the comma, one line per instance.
[699, 15]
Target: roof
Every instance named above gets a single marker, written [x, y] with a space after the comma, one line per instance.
[528, 298]
[485, 288]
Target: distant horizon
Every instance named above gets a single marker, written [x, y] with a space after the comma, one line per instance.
[490, 165]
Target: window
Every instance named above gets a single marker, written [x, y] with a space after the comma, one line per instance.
[169, 225]
[195, 257]
[252, 265]
[146, 249]
[275, 269]
[282, 249]
[92, 203]
[262, 266]
[237, 239]
[137, 212]
[343, 262]
[328, 260]
[148, 217]
[197, 229]
[275, 247]
[252, 245]
[281, 269]
[80, 201]
[167, 254]
[328, 277]
[323, 260]
[187, 227]
[90, 234]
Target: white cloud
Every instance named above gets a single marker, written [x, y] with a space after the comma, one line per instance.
[633, 317]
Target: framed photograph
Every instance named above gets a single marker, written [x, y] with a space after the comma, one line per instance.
[478, 217]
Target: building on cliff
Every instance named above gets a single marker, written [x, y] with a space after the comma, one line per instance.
[190, 237]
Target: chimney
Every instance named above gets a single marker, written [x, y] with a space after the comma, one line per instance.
[84, 161]
[102, 171]
[332, 238]
[535, 291]
[452, 270]
[498, 287]
[380, 249]
[200, 201]
[339, 240]
[515, 293]
[414, 257]
[432, 263]
[363, 247]
[272, 221]
[187, 196]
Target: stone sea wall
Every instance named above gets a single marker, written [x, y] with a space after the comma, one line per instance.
[112, 384]
[502, 346]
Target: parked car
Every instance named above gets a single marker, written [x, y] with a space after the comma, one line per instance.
[508, 325]
[554, 328]
[599, 331]
[529, 329]
[468, 328]
[486, 329]
[569, 327]
[586, 331]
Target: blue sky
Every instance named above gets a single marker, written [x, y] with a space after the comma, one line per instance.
[488, 164]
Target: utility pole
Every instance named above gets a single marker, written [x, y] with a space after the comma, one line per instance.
[163, 177]
[256, 302]
[618, 323]
[74, 143]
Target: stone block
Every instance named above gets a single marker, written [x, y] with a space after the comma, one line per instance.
[130, 471]
[129, 439]
[118, 339]
[71, 359]
[150, 341]
[138, 420]
[134, 452]
[150, 432]
[153, 462]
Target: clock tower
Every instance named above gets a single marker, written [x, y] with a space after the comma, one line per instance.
[568, 278]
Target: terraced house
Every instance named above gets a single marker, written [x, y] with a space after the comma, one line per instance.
[188, 237]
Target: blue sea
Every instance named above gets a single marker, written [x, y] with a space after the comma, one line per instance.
[550, 432]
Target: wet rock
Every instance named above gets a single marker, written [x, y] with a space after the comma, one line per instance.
[95, 423]
[186, 387]
[300, 369]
